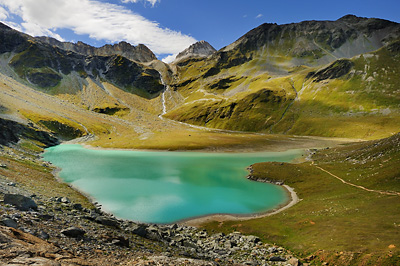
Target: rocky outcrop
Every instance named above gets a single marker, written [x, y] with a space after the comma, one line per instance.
[11, 132]
[199, 49]
[337, 69]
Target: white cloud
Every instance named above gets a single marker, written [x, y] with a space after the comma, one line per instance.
[152, 2]
[259, 16]
[3, 14]
[169, 59]
[101, 21]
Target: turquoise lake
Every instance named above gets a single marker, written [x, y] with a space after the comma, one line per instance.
[165, 187]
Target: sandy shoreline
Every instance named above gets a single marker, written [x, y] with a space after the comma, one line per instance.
[197, 221]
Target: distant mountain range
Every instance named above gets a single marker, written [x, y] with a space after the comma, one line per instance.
[325, 78]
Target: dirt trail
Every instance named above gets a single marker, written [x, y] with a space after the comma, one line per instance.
[391, 193]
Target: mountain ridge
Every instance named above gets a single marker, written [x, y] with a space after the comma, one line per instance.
[138, 53]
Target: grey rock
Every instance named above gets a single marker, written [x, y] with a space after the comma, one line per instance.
[277, 258]
[107, 221]
[9, 223]
[20, 202]
[77, 206]
[139, 229]
[253, 239]
[43, 235]
[73, 232]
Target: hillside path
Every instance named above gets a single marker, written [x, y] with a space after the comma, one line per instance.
[391, 193]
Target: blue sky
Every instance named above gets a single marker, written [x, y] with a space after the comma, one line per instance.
[169, 26]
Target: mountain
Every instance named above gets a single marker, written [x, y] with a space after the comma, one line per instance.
[314, 78]
[138, 53]
[322, 78]
[47, 64]
[294, 78]
[199, 49]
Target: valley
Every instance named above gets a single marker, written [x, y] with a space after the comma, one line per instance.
[328, 87]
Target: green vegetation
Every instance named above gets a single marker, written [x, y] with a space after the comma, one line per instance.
[351, 98]
[338, 223]
[63, 128]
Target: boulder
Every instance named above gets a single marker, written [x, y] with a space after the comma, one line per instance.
[20, 202]
[140, 230]
[277, 258]
[73, 232]
[107, 221]
[9, 223]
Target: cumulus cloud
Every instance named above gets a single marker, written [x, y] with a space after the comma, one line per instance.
[101, 21]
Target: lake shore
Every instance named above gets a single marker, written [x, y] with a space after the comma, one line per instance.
[198, 221]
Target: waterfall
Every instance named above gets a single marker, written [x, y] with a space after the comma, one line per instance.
[166, 89]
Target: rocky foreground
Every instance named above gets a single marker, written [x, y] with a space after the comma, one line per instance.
[42, 230]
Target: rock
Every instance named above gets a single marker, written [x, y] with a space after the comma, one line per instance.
[277, 258]
[229, 244]
[107, 221]
[3, 165]
[20, 202]
[73, 232]
[77, 206]
[9, 223]
[293, 262]
[253, 239]
[121, 241]
[11, 184]
[140, 230]
[64, 200]
[43, 235]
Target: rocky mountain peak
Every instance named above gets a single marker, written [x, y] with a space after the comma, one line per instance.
[198, 49]
[318, 42]
[138, 53]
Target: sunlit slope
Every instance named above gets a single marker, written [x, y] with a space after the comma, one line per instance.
[264, 83]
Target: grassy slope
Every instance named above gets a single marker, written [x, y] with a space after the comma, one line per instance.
[362, 103]
[337, 222]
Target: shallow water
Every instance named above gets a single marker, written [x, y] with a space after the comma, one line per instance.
[164, 187]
